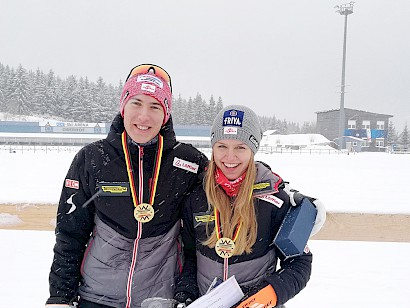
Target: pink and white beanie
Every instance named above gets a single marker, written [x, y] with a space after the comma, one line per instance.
[151, 85]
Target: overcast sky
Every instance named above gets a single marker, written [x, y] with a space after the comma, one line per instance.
[281, 58]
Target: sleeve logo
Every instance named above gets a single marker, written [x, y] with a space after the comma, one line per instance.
[72, 184]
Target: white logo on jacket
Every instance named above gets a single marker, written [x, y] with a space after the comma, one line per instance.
[73, 206]
[272, 199]
[186, 165]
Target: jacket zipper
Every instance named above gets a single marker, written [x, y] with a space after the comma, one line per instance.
[139, 228]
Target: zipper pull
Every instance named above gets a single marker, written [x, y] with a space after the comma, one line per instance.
[141, 152]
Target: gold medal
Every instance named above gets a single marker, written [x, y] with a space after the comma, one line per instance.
[224, 247]
[144, 212]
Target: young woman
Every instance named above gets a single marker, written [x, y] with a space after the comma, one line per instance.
[231, 220]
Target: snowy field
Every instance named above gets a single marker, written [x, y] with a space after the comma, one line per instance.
[345, 274]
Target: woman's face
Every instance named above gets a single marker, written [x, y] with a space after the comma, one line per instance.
[232, 157]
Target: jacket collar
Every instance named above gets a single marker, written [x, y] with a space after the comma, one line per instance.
[266, 181]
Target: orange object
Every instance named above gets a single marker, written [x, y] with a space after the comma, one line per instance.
[265, 298]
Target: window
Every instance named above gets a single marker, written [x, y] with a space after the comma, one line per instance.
[379, 142]
[366, 125]
[366, 142]
[380, 125]
[351, 124]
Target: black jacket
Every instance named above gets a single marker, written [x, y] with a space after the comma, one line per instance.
[252, 271]
[96, 212]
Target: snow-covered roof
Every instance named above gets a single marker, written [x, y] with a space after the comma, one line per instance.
[270, 132]
[294, 139]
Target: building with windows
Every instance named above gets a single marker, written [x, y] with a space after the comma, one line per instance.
[362, 129]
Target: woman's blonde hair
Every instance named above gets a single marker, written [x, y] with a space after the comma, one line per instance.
[241, 211]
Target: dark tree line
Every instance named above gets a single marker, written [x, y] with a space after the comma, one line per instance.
[25, 92]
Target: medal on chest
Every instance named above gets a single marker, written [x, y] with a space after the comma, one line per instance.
[144, 212]
[224, 247]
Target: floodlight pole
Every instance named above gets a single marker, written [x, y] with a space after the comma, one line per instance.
[344, 9]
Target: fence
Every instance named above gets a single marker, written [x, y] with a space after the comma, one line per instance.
[38, 149]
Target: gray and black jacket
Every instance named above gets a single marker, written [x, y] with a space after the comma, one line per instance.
[98, 239]
[264, 265]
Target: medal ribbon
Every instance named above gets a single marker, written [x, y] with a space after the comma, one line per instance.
[219, 228]
[219, 236]
[130, 171]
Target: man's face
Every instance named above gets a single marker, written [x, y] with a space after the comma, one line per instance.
[143, 117]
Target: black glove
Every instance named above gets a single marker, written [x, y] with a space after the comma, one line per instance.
[295, 198]
[253, 289]
[183, 298]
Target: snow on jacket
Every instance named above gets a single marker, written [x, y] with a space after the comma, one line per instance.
[98, 239]
[254, 270]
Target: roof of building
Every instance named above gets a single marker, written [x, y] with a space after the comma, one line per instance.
[357, 110]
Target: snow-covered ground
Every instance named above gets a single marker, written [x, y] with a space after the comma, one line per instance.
[361, 182]
[345, 274]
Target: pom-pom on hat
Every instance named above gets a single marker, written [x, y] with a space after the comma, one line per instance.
[146, 79]
[239, 123]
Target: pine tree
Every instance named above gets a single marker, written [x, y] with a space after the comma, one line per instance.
[20, 92]
[199, 117]
[219, 105]
[2, 86]
[211, 110]
[39, 92]
[51, 104]
[177, 110]
[308, 128]
[392, 136]
[405, 138]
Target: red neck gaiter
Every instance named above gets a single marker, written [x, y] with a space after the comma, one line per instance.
[231, 188]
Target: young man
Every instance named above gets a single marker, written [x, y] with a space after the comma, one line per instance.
[119, 213]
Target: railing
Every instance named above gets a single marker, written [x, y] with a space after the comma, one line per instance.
[283, 150]
[38, 149]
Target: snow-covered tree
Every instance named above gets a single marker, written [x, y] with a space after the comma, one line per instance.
[405, 138]
[18, 97]
[392, 136]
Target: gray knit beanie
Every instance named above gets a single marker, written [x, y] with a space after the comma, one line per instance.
[237, 122]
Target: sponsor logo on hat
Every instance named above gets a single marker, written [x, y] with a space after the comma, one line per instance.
[254, 141]
[230, 130]
[232, 118]
[148, 87]
[151, 79]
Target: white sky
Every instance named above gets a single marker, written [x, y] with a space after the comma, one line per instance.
[282, 58]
